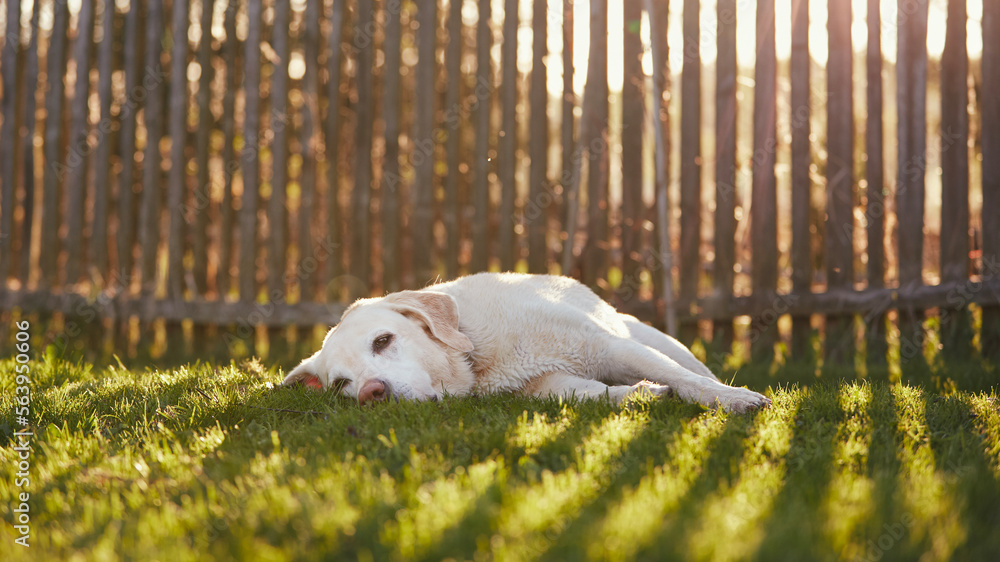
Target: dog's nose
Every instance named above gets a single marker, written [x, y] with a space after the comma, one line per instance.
[373, 391]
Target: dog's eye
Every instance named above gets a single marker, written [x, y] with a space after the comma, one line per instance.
[381, 342]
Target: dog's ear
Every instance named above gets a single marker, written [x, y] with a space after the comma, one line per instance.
[305, 374]
[438, 311]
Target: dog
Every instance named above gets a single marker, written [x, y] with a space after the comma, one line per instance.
[538, 335]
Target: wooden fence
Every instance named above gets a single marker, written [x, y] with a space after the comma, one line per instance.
[230, 165]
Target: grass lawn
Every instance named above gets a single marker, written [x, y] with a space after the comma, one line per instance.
[216, 461]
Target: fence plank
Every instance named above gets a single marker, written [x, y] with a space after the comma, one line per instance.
[481, 156]
[839, 342]
[149, 214]
[424, 146]
[8, 140]
[308, 139]
[990, 334]
[801, 112]
[102, 159]
[277, 219]
[763, 223]
[725, 164]
[126, 179]
[176, 180]
[251, 155]
[279, 123]
[875, 334]
[230, 164]
[658, 17]
[55, 76]
[690, 245]
[536, 212]
[956, 326]
[27, 139]
[333, 266]
[911, 100]
[389, 189]
[567, 127]
[506, 241]
[74, 166]
[633, 108]
[596, 252]
[451, 211]
[203, 183]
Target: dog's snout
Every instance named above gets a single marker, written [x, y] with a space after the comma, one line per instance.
[374, 391]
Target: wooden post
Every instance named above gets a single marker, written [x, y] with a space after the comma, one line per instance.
[27, 139]
[481, 159]
[566, 135]
[149, 213]
[230, 163]
[102, 160]
[202, 193]
[839, 341]
[956, 322]
[308, 138]
[658, 14]
[126, 217]
[876, 347]
[250, 157]
[177, 179]
[51, 180]
[8, 139]
[424, 146]
[633, 110]
[451, 212]
[596, 252]
[990, 336]
[389, 189]
[911, 100]
[74, 164]
[763, 222]
[333, 265]
[536, 211]
[506, 240]
[690, 266]
[725, 167]
[125, 243]
[801, 113]
[277, 219]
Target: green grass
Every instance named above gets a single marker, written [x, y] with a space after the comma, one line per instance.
[210, 461]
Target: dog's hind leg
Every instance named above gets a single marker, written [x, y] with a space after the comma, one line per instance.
[636, 361]
[570, 386]
[647, 335]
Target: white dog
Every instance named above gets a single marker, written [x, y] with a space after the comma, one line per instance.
[505, 332]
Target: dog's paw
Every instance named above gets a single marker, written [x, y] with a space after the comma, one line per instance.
[652, 388]
[741, 400]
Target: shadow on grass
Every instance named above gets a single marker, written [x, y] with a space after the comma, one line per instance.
[957, 435]
[795, 523]
[884, 464]
[720, 464]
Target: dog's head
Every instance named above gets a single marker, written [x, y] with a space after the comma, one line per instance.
[406, 345]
